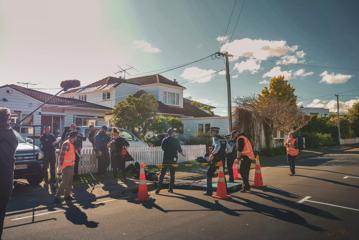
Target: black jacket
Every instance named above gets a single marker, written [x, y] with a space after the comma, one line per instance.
[8, 145]
[171, 147]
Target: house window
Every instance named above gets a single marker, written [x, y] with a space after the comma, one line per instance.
[171, 98]
[200, 128]
[83, 98]
[207, 127]
[106, 95]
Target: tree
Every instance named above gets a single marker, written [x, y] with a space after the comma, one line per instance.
[203, 107]
[135, 113]
[160, 124]
[277, 106]
[353, 115]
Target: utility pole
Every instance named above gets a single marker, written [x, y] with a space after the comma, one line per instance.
[338, 118]
[229, 92]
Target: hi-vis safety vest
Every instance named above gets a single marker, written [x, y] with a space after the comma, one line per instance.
[290, 146]
[70, 156]
[247, 149]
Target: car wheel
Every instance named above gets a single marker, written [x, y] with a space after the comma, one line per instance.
[35, 180]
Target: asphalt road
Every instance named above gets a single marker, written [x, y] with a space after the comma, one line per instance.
[320, 202]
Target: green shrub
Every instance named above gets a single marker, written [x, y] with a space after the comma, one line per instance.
[270, 152]
[313, 140]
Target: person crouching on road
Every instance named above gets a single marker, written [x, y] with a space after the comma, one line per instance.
[218, 154]
[292, 151]
[118, 152]
[65, 167]
[231, 153]
[171, 147]
[245, 151]
[103, 156]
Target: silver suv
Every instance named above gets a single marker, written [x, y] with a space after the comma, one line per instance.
[28, 161]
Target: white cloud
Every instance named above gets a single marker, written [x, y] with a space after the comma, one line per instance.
[258, 49]
[344, 106]
[301, 73]
[251, 65]
[334, 78]
[288, 75]
[197, 75]
[300, 54]
[264, 82]
[222, 39]
[235, 76]
[276, 71]
[223, 72]
[145, 46]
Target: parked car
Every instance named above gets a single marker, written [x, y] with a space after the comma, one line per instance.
[28, 161]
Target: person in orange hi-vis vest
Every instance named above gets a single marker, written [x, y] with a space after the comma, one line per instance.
[245, 152]
[292, 151]
[66, 163]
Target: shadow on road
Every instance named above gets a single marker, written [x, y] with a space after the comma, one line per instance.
[328, 180]
[321, 170]
[210, 206]
[78, 217]
[279, 191]
[297, 206]
[278, 213]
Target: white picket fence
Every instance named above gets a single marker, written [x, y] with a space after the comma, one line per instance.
[148, 155]
[349, 141]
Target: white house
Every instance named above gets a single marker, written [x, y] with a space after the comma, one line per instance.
[57, 113]
[169, 94]
[311, 111]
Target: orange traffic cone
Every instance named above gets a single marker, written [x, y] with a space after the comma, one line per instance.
[258, 180]
[142, 194]
[221, 192]
[235, 171]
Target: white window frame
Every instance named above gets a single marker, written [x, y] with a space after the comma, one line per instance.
[106, 96]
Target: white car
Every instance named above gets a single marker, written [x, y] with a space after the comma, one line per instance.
[130, 137]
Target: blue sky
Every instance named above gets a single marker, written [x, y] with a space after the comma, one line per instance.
[313, 43]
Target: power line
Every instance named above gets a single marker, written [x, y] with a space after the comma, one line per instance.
[230, 17]
[238, 18]
[168, 69]
[203, 76]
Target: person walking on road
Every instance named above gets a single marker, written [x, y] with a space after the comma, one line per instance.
[171, 147]
[292, 151]
[245, 152]
[118, 152]
[48, 143]
[217, 154]
[102, 153]
[8, 145]
[66, 163]
[231, 153]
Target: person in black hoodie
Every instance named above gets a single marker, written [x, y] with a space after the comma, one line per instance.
[8, 145]
[118, 152]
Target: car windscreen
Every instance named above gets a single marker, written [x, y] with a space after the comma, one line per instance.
[20, 139]
[126, 135]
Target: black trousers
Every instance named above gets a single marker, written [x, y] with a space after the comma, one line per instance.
[291, 162]
[210, 174]
[103, 161]
[244, 171]
[6, 185]
[50, 161]
[76, 167]
[118, 164]
[167, 166]
[230, 161]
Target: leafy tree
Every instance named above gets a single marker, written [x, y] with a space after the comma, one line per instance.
[353, 116]
[160, 124]
[280, 89]
[204, 107]
[135, 113]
